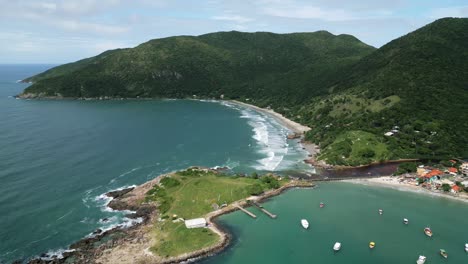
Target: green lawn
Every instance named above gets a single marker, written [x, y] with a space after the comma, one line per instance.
[191, 194]
[355, 148]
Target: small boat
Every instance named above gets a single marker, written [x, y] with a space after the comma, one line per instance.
[405, 221]
[305, 223]
[466, 247]
[443, 253]
[380, 212]
[322, 205]
[337, 246]
[428, 232]
[421, 260]
[371, 245]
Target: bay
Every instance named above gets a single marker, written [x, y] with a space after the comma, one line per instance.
[350, 216]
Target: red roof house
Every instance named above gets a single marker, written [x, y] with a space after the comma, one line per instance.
[456, 188]
[433, 173]
[452, 169]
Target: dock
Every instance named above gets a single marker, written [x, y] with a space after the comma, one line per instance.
[259, 206]
[245, 211]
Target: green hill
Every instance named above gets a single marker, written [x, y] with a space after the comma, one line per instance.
[264, 66]
[348, 92]
[418, 82]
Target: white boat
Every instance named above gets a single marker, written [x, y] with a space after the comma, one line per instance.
[466, 247]
[337, 246]
[380, 211]
[305, 223]
[405, 221]
[421, 260]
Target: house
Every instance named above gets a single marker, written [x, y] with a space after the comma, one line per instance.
[421, 171]
[195, 223]
[389, 134]
[464, 168]
[433, 173]
[455, 189]
[452, 171]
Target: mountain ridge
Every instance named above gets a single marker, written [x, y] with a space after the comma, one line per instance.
[341, 87]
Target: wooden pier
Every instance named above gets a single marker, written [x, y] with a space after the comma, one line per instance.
[245, 211]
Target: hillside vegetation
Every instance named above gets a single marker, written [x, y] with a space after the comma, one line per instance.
[416, 85]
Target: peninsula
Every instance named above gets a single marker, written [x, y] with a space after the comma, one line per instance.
[165, 204]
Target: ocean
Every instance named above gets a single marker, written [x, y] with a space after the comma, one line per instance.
[58, 158]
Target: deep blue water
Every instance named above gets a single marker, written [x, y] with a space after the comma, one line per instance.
[58, 157]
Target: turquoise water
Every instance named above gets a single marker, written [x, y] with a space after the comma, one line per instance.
[57, 158]
[350, 217]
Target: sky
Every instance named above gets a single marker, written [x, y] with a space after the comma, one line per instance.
[61, 31]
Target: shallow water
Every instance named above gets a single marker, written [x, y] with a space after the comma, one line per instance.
[57, 158]
[351, 217]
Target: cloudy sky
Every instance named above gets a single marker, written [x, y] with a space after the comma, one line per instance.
[59, 31]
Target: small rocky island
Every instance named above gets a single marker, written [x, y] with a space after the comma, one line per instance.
[162, 207]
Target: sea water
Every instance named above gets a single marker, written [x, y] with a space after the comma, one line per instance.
[58, 157]
[351, 217]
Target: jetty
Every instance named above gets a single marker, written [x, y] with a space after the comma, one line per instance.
[245, 211]
[259, 206]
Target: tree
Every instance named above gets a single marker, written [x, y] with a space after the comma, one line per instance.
[446, 187]
[255, 175]
[255, 189]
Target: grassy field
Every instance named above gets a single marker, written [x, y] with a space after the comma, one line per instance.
[192, 194]
[355, 148]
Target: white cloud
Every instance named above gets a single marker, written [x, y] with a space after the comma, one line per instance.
[456, 11]
[309, 12]
[233, 18]
[73, 25]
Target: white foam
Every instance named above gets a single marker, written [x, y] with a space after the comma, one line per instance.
[125, 174]
[58, 254]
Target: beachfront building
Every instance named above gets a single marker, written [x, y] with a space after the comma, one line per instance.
[195, 223]
[455, 189]
[464, 168]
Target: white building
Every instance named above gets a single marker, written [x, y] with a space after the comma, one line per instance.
[195, 223]
[464, 168]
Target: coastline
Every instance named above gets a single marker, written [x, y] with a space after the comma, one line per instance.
[126, 251]
[132, 244]
[290, 124]
[393, 182]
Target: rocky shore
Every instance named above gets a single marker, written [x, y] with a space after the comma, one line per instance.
[131, 245]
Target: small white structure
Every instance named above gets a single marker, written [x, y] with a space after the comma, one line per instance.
[195, 223]
[389, 134]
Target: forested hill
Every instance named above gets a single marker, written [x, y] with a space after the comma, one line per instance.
[348, 92]
[287, 68]
[416, 85]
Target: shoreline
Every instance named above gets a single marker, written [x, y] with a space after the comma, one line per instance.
[121, 254]
[132, 244]
[290, 124]
[393, 182]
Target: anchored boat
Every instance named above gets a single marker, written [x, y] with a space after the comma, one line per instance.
[466, 247]
[428, 232]
[380, 212]
[322, 205]
[337, 246]
[421, 260]
[305, 223]
[371, 245]
[443, 253]
[405, 221]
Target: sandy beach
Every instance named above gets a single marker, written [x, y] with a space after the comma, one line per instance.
[398, 184]
[293, 126]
